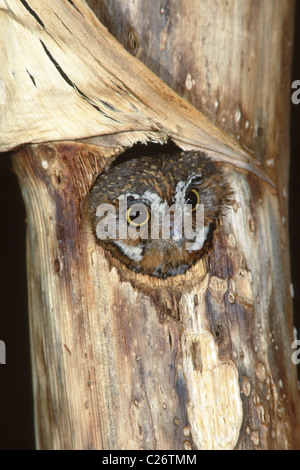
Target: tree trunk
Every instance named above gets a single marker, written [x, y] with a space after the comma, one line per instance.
[122, 360]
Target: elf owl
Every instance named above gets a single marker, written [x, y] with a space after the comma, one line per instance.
[156, 213]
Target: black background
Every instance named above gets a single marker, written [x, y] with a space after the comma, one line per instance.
[16, 407]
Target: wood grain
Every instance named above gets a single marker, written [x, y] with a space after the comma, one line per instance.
[125, 361]
[59, 73]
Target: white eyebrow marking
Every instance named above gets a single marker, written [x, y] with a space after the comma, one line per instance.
[153, 198]
[124, 196]
[148, 196]
[180, 192]
[182, 187]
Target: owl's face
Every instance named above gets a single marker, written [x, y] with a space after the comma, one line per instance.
[156, 214]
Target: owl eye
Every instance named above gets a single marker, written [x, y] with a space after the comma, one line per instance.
[137, 215]
[193, 198]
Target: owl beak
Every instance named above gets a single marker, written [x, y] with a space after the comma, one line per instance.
[175, 233]
[177, 241]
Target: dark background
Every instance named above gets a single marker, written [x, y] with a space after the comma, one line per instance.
[16, 407]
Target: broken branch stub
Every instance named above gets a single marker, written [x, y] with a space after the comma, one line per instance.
[79, 82]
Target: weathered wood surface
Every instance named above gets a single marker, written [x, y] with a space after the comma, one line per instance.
[79, 82]
[122, 361]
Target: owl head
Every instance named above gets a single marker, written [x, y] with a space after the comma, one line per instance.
[156, 213]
